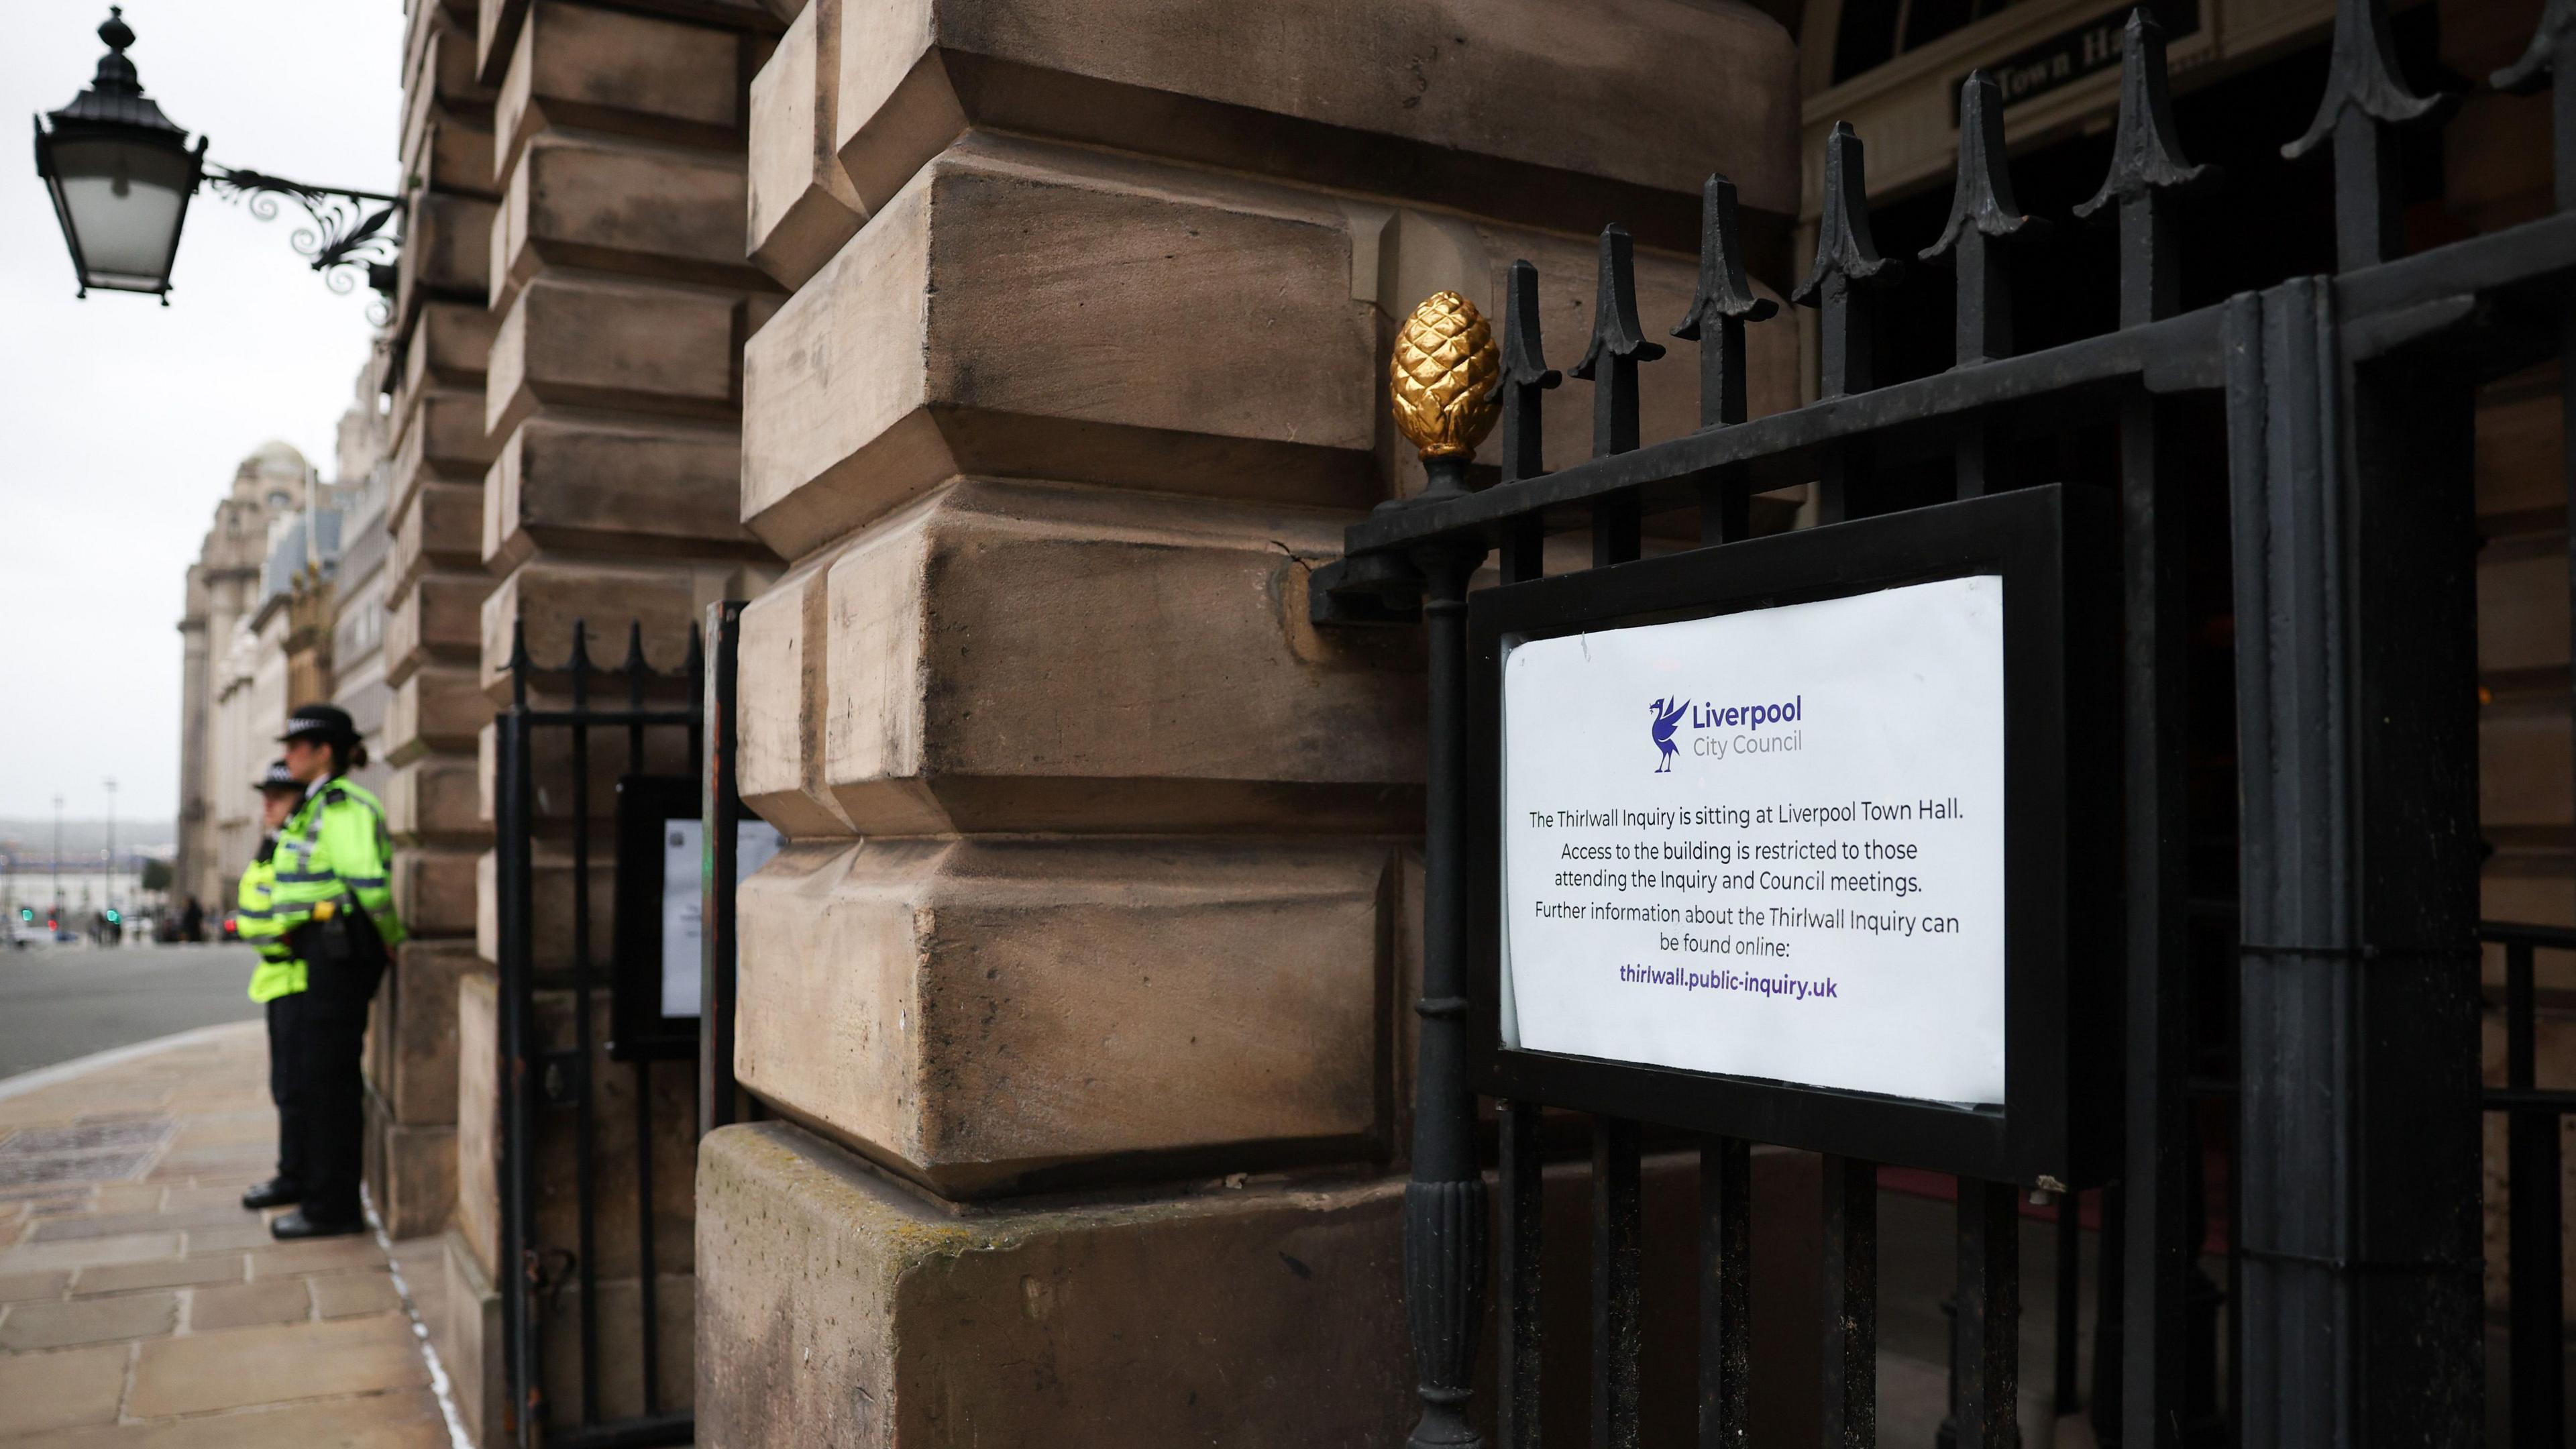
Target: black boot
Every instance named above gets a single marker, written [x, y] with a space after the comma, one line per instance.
[276, 1192]
[290, 1226]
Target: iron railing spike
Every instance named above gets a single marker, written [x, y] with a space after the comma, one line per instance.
[1720, 306]
[1618, 345]
[1844, 247]
[1525, 375]
[2362, 75]
[693, 663]
[2146, 151]
[1847, 262]
[635, 646]
[2538, 66]
[1981, 199]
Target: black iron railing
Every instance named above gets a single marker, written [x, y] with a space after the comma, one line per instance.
[2355, 1308]
[541, 1077]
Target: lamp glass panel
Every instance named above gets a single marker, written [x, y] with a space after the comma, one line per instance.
[123, 202]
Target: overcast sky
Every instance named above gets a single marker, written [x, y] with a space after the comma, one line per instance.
[121, 420]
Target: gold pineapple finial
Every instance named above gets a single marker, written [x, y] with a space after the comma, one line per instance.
[1442, 377]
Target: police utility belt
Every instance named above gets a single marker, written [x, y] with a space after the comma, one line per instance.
[340, 937]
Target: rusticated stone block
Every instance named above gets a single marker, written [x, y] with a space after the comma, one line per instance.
[434, 889]
[803, 206]
[451, 152]
[467, 1331]
[450, 345]
[672, 1087]
[987, 1015]
[440, 526]
[443, 427]
[557, 802]
[838, 1308]
[2522, 604]
[435, 801]
[435, 709]
[612, 70]
[2523, 768]
[650, 347]
[620, 206]
[552, 944]
[780, 763]
[434, 617]
[411, 1057]
[547, 596]
[447, 251]
[478, 1121]
[1014, 657]
[835, 1308]
[621, 1345]
[438, 60]
[411, 1173]
[2520, 450]
[1173, 290]
[624, 485]
[1399, 100]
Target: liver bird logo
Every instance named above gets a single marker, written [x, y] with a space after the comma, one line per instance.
[1665, 719]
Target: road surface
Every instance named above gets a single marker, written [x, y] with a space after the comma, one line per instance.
[60, 1002]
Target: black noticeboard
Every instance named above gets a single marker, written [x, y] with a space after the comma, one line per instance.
[1675, 914]
[649, 809]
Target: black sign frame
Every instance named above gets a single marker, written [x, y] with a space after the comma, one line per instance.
[637, 1030]
[2056, 549]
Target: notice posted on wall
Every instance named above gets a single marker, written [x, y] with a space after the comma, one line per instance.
[684, 903]
[1767, 844]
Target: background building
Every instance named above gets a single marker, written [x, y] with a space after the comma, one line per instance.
[224, 589]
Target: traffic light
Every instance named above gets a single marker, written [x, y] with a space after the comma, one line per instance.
[27, 915]
[115, 917]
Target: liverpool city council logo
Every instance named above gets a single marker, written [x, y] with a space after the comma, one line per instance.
[1668, 713]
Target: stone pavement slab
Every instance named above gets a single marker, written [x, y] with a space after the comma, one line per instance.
[141, 1307]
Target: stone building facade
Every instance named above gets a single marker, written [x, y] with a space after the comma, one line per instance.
[224, 589]
[1018, 362]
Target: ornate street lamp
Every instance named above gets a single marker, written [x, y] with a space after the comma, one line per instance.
[121, 174]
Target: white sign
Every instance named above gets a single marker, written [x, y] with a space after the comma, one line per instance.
[683, 901]
[1767, 844]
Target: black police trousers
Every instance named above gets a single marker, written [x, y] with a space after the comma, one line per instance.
[286, 1083]
[335, 1092]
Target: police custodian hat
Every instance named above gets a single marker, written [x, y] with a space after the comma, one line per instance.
[319, 721]
[277, 778]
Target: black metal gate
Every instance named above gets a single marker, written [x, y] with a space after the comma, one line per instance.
[556, 1075]
[2352, 965]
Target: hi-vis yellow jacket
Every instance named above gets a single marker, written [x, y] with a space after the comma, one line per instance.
[278, 972]
[335, 846]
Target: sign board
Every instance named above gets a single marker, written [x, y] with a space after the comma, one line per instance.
[658, 980]
[1784, 838]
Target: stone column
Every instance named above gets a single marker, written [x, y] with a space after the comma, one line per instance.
[1086, 982]
[616, 304]
[433, 585]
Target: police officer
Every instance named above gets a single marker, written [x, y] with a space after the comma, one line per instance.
[333, 902]
[277, 983]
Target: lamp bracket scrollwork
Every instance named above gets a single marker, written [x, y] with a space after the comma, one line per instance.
[353, 232]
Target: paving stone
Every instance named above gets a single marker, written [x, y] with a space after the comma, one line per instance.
[22, 1287]
[349, 1295]
[88, 1320]
[238, 1305]
[237, 1367]
[324, 1255]
[231, 1238]
[167, 1273]
[41, 1391]
[109, 1225]
[89, 1252]
[406, 1420]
